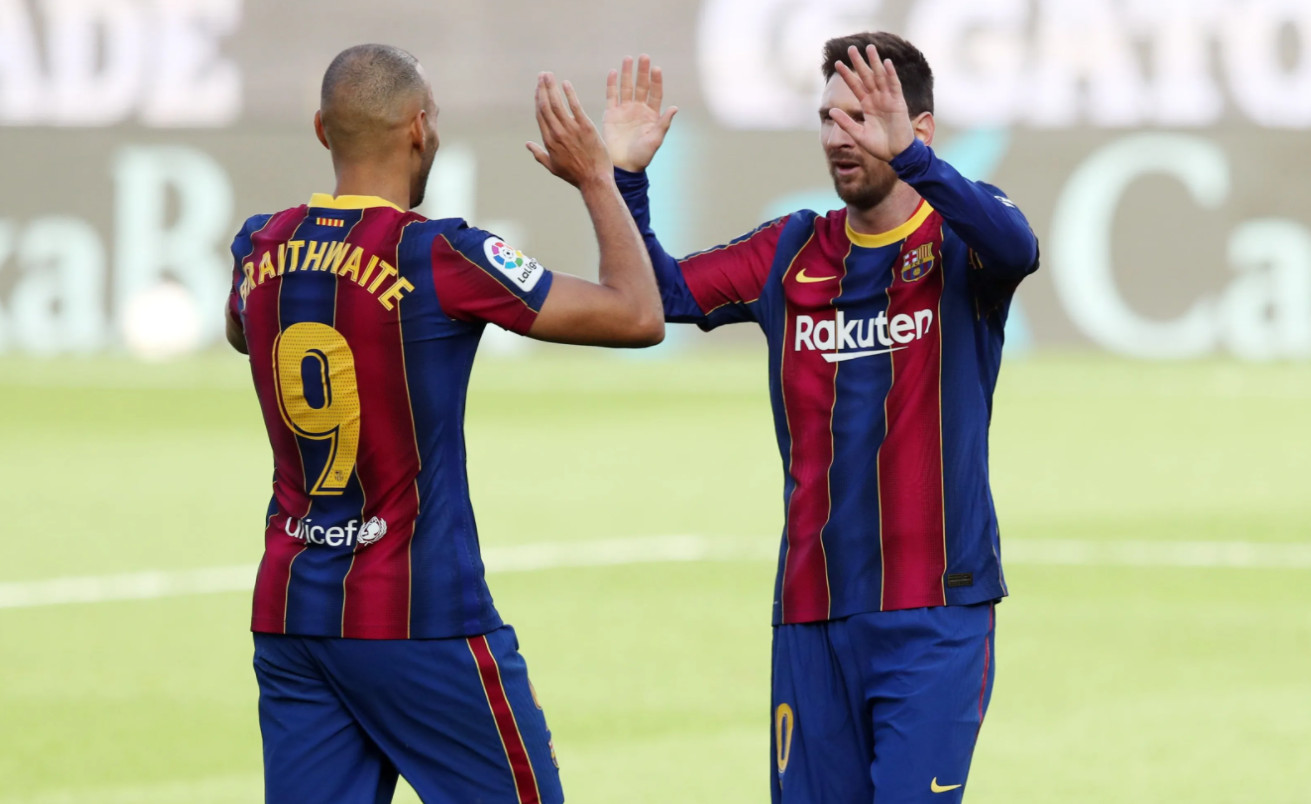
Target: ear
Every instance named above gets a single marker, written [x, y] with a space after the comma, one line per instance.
[418, 131]
[318, 129]
[925, 126]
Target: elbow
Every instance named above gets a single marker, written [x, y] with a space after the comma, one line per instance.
[648, 330]
[236, 336]
[1025, 262]
[1020, 259]
[1027, 252]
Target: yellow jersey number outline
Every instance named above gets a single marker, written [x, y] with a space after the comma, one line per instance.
[338, 420]
[783, 719]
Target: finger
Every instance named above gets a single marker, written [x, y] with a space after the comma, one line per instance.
[845, 123]
[575, 106]
[555, 102]
[667, 119]
[545, 114]
[540, 103]
[861, 69]
[852, 81]
[657, 94]
[894, 80]
[876, 68]
[643, 78]
[612, 89]
[539, 153]
[626, 80]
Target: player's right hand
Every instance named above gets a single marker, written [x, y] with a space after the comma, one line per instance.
[573, 148]
[633, 125]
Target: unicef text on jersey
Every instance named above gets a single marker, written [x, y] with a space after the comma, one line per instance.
[352, 533]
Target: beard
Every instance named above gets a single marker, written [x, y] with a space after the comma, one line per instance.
[868, 187]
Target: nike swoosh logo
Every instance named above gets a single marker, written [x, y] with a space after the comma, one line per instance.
[839, 357]
[937, 788]
[801, 277]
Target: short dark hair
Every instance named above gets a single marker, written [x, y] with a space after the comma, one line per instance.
[375, 74]
[365, 91]
[912, 68]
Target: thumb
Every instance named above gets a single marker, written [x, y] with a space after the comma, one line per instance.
[539, 153]
[667, 119]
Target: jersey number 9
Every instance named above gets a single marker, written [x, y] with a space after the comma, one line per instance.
[312, 360]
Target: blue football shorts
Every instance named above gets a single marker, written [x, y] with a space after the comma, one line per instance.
[456, 717]
[883, 707]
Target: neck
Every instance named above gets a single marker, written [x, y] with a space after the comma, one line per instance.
[888, 214]
[383, 181]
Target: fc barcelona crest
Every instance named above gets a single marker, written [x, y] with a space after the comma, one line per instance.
[917, 263]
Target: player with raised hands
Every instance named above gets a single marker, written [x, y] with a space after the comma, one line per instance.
[884, 324]
[378, 650]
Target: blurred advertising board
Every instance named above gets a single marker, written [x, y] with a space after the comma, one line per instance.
[1159, 147]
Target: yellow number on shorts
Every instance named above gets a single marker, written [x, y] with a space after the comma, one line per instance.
[784, 721]
[338, 420]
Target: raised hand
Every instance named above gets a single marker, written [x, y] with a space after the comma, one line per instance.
[886, 128]
[633, 125]
[573, 147]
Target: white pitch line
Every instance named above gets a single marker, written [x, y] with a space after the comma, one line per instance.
[241, 577]
[211, 790]
[665, 549]
[1214, 555]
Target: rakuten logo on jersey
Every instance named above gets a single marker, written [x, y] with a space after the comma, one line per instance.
[304, 530]
[849, 338]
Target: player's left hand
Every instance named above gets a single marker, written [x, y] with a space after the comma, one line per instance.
[634, 125]
[886, 129]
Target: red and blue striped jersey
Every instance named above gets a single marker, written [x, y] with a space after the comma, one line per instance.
[884, 351]
[361, 322]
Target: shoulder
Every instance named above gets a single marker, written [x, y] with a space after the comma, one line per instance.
[254, 223]
[457, 245]
[764, 236]
[456, 237]
[241, 243]
[431, 235]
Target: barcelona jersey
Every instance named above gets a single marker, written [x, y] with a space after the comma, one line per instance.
[361, 322]
[884, 351]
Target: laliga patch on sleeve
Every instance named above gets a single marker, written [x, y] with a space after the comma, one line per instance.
[520, 269]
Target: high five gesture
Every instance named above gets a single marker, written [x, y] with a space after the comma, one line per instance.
[886, 128]
[634, 126]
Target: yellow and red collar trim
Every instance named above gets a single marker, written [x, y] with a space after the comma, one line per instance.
[325, 201]
[893, 235]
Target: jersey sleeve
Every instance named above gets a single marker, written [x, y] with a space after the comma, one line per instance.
[1005, 249]
[480, 278]
[710, 288]
[242, 246]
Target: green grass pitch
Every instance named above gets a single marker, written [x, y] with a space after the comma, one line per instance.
[1116, 683]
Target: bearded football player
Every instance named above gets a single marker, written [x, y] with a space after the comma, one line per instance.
[884, 324]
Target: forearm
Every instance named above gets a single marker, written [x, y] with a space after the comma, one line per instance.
[625, 266]
[990, 225]
[679, 304]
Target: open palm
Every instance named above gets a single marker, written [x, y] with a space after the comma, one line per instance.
[886, 128]
[633, 126]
